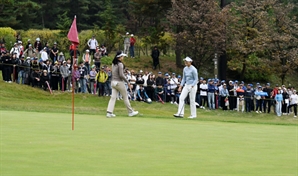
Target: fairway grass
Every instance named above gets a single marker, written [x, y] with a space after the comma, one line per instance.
[36, 143]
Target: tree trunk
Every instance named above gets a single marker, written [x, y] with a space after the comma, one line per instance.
[243, 71]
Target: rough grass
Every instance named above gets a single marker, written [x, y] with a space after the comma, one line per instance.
[24, 98]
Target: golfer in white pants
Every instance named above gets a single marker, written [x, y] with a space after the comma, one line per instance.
[189, 81]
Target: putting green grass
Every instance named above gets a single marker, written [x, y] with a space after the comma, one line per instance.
[35, 143]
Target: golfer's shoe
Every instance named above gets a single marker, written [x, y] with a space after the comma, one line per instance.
[178, 115]
[191, 117]
[109, 115]
[133, 113]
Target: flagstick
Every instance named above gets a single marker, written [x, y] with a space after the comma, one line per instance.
[73, 83]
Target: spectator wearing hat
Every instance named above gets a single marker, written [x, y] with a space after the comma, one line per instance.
[189, 81]
[64, 71]
[92, 44]
[92, 82]
[60, 57]
[6, 68]
[132, 46]
[211, 94]
[15, 50]
[55, 76]
[155, 57]
[101, 79]
[87, 60]
[232, 97]
[108, 86]
[240, 95]
[44, 54]
[54, 52]
[268, 98]
[224, 94]
[30, 52]
[259, 99]
[293, 103]
[37, 45]
[126, 43]
[44, 79]
[249, 94]
[83, 77]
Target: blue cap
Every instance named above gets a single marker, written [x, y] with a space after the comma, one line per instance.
[159, 72]
[179, 76]
[223, 81]
[236, 81]
[215, 82]
[212, 80]
[268, 84]
[167, 74]
[209, 80]
[201, 78]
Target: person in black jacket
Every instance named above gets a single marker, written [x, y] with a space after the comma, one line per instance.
[268, 99]
[155, 57]
[249, 94]
[6, 73]
[35, 78]
[44, 78]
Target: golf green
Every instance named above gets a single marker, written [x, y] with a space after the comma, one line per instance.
[44, 144]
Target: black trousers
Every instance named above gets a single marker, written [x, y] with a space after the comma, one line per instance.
[295, 108]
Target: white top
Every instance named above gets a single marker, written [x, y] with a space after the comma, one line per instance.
[145, 77]
[294, 99]
[44, 55]
[202, 92]
[92, 43]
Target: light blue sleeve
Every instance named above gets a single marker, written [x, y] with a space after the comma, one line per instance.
[196, 78]
[183, 78]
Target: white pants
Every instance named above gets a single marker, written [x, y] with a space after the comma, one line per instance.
[192, 99]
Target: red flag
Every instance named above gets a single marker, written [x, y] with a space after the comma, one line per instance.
[73, 32]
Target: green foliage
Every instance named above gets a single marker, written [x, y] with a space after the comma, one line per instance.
[8, 35]
[64, 23]
[107, 60]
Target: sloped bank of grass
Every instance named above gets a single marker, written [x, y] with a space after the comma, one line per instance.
[14, 97]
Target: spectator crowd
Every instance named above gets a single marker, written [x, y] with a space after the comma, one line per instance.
[46, 67]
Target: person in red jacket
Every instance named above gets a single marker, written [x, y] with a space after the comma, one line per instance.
[132, 46]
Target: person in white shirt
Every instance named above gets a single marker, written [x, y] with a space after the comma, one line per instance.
[293, 103]
[126, 43]
[15, 49]
[44, 54]
[92, 43]
[203, 94]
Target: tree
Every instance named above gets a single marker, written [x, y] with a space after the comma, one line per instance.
[283, 40]
[200, 24]
[18, 14]
[248, 33]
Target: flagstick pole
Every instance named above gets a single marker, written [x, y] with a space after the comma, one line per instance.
[73, 83]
